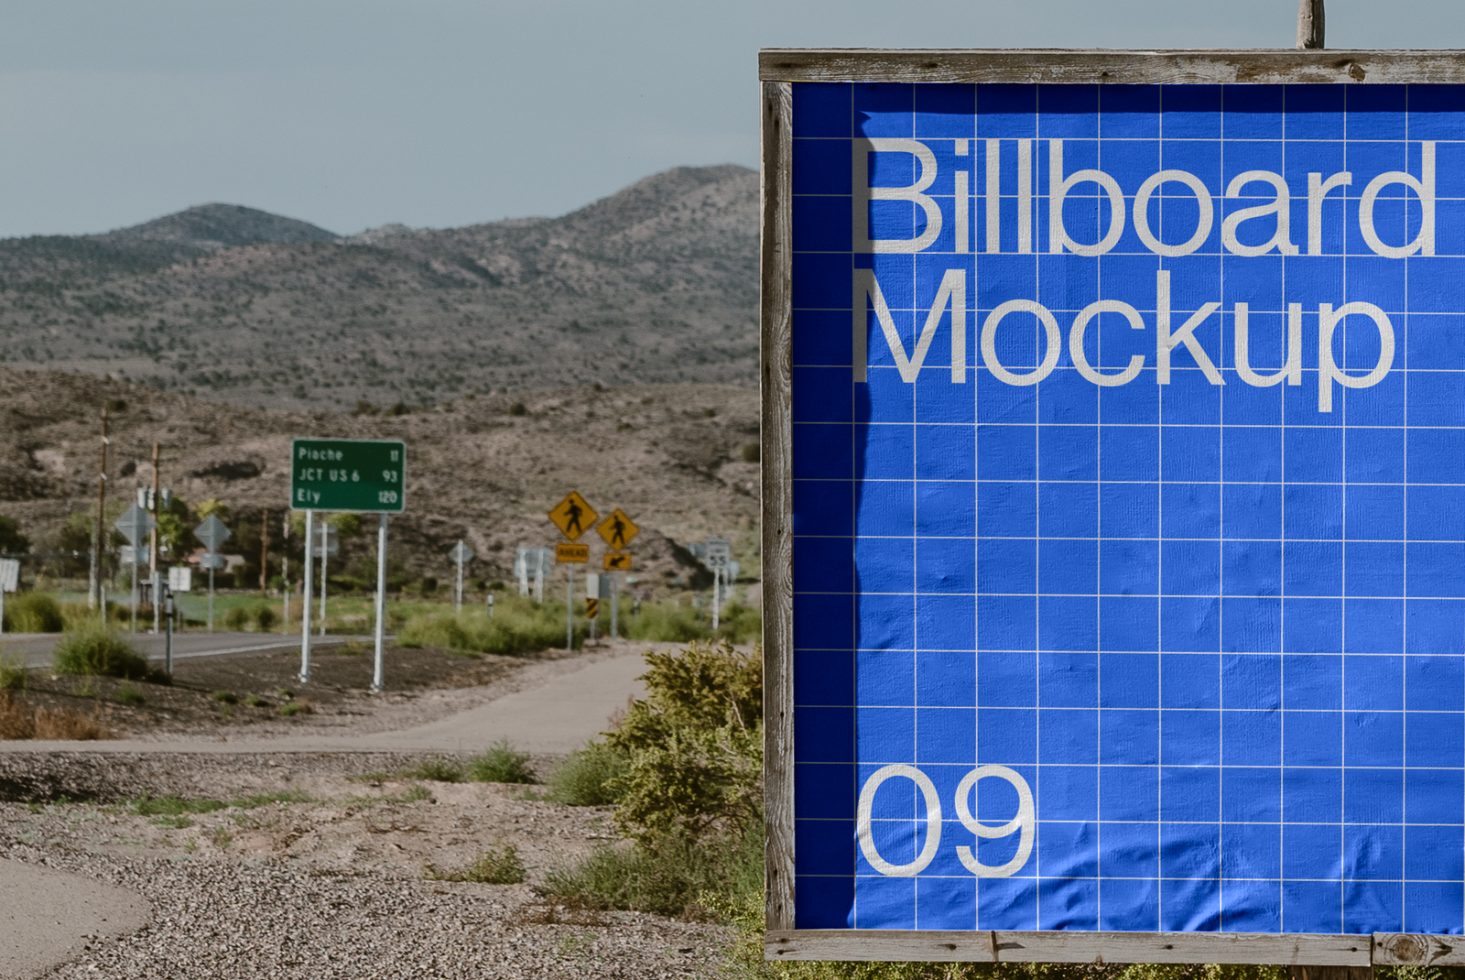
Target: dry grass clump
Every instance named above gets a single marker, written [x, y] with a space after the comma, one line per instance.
[19, 720]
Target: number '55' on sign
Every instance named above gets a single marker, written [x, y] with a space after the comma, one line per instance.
[1023, 823]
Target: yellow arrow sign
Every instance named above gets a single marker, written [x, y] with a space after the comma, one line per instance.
[618, 529]
[617, 561]
[573, 516]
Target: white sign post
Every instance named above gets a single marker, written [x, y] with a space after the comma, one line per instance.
[717, 556]
[461, 554]
[136, 524]
[211, 534]
[328, 545]
[9, 582]
[305, 598]
[377, 669]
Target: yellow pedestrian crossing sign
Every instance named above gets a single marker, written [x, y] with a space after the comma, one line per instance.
[573, 516]
[618, 529]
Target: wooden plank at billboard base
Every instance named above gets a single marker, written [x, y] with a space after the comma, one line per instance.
[1068, 947]
[776, 453]
[1280, 67]
[1408, 949]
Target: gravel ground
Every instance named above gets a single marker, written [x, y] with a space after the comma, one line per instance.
[334, 886]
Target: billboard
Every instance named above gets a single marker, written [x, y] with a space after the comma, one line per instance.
[1115, 470]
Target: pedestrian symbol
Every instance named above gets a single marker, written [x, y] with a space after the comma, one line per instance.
[573, 516]
[618, 530]
[617, 561]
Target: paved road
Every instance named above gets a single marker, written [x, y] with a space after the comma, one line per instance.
[557, 707]
[35, 648]
[47, 916]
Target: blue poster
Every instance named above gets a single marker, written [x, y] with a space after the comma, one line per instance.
[1129, 507]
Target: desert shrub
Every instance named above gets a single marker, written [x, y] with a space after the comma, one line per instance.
[497, 866]
[290, 709]
[226, 697]
[129, 696]
[436, 771]
[667, 622]
[502, 763]
[265, 618]
[19, 720]
[517, 626]
[62, 724]
[237, 618]
[740, 624]
[33, 612]
[12, 674]
[97, 651]
[589, 777]
[673, 876]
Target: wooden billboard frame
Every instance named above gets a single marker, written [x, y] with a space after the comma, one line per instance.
[779, 70]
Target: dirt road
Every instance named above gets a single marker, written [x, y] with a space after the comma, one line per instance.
[552, 708]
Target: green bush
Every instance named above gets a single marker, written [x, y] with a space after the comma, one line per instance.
[695, 745]
[436, 771]
[589, 777]
[740, 624]
[265, 618]
[673, 876]
[12, 674]
[33, 612]
[237, 619]
[129, 695]
[502, 763]
[97, 651]
[668, 622]
[498, 866]
[517, 626]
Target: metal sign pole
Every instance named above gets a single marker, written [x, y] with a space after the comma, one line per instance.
[285, 572]
[325, 555]
[134, 588]
[569, 607]
[458, 588]
[211, 593]
[381, 603]
[615, 606]
[2, 609]
[168, 638]
[716, 596]
[305, 604]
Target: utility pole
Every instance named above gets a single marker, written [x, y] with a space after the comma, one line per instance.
[153, 542]
[94, 591]
[1311, 25]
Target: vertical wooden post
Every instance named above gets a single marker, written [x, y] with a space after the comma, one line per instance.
[94, 592]
[1311, 24]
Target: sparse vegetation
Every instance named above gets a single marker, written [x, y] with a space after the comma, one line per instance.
[693, 752]
[225, 697]
[291, 709]
[517, 626]
[129, 696]
[502, 763]
[589, 777]
[436, 771]
[497, 866]
[33, 612]
[12, 674]
[95, 650]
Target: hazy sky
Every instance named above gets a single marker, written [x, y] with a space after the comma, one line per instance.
[353, 113]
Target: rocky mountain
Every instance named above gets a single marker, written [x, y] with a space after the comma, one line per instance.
[679, 458]
[656, 284]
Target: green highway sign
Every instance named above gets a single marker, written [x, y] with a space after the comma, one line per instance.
[363, 475]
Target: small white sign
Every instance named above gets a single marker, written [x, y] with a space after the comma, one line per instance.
[9, 574]
[461, 552]
[130, 555]
[180, 578]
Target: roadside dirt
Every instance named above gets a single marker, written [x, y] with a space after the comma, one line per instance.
[261, 693]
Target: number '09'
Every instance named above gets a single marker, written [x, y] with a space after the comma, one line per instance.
[1023, 823]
